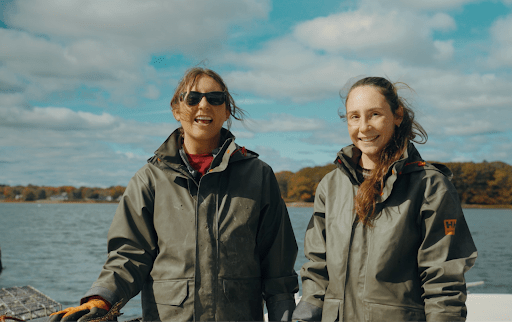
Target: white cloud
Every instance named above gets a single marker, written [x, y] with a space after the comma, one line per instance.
[99, 51]
[56, 47]
[42, 67]
[282, 163]
[445, 49]
[104, 127]
[60, 146]
[151, 26]
[321, 54]
[152, 92]
[87, 59]
[53, 118]
[334, 135]
[431, 5]
[12, 100]
[501, 50]
[285, 123]
[284, 69]
[458, 92]
[375, 33]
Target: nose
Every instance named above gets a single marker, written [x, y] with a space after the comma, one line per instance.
[364, 124]
[203, 103]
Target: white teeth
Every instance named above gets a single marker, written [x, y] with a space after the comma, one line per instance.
[203, 118]
[368, 139]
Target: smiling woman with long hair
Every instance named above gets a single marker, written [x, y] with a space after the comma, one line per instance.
[388, 240]
[201, 229]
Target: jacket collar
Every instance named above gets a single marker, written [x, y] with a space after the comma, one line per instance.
[228, 152]
[411, 161]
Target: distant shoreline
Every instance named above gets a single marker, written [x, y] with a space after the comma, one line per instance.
[57, 201]
[297, 204]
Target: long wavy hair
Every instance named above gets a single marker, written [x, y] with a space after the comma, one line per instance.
[188, 81]
[408, 130]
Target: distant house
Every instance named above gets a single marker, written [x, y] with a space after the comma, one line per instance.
[63, 196]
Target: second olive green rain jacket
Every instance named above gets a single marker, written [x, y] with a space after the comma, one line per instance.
[408, 267]
[209, 249]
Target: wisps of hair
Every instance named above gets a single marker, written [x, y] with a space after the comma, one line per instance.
[190, 78]
[409, 130]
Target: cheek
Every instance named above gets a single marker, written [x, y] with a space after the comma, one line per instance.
[391, 129]
[185, 115]
[352, 131]
[223, 115]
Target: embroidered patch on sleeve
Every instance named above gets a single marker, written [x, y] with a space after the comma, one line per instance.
[449, 226]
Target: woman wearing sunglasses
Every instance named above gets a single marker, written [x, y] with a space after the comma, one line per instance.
[201, 229]
[388, 240]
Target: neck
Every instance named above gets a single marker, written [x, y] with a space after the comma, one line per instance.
[200, 147]
[367, 163]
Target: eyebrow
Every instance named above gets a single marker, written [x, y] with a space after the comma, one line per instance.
[376, 108]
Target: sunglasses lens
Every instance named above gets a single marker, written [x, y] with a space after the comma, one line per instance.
[214, 98]
[193, 98]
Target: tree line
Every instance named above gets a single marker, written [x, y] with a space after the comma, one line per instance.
[63, 193]
[485, 183]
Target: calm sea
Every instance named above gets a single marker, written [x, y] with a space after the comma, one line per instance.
[60, 248]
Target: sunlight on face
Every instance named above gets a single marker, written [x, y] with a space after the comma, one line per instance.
[371, 123]
[202, 122]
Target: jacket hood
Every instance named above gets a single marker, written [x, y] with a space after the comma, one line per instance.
[348, 157]
[411, 161]
[168, 153]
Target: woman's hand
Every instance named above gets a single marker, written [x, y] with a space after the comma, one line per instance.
[95, 308]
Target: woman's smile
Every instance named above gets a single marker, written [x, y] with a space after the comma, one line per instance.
[203, 119]
[369, 139]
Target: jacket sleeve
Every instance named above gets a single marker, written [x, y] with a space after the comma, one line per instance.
[278, 251]
[315, 278]
[132, 244]
[445, 254]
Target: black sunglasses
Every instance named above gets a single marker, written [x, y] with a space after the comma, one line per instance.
[214, 98]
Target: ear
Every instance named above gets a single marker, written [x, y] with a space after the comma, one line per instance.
[399, 116]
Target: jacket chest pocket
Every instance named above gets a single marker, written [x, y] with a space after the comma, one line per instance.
[169, 292]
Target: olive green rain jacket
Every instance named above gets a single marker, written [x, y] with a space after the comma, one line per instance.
[212, 250]
[409, 267]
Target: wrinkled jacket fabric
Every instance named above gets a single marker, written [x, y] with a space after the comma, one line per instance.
[212, 250]
[408, 267]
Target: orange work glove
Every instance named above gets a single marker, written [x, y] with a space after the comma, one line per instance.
[94, 308]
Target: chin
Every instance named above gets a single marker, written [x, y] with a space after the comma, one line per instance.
[370, 152]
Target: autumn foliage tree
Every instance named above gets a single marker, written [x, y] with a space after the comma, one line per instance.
[301, 186]
[283, 178]
[35, 193]
[485, 183]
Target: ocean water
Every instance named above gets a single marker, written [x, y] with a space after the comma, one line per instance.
[60, 248]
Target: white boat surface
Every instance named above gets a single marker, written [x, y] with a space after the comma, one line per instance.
[489, 307]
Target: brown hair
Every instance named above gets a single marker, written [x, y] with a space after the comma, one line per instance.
[190, 78]
[408, 130]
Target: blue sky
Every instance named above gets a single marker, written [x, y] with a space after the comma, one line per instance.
[85, 85]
